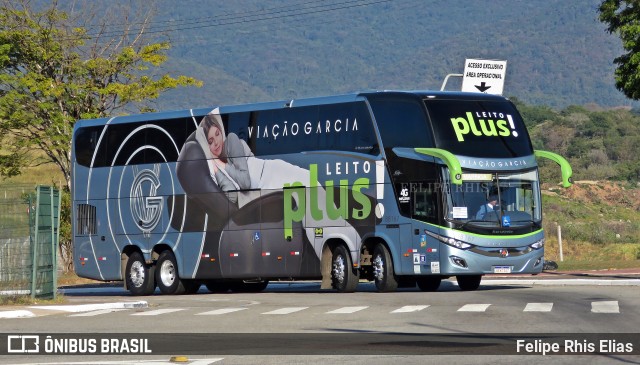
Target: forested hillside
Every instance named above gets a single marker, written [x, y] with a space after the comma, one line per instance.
[600, 144]
[558, 53]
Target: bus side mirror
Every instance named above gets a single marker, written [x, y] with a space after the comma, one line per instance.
[565, 167]
[455, 170]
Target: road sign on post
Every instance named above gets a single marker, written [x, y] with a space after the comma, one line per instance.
[485, 76]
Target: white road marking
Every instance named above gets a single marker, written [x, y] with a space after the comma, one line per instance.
[474, 308]
[286, 310]
[410, 308]
[605, 307]
[220, 311]
[97, 313]
[347, 310]
[16, 314]
[538, 307]
[76, 308]
[158, 312]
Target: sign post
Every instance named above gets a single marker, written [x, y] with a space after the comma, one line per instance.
[485, 76]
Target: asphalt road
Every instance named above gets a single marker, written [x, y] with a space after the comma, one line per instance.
[305, 314]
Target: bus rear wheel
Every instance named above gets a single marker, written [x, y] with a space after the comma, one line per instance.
[139, 275]
[383, 274]
[167, 274]
[468, 282]
[343, 276]
[429, 283]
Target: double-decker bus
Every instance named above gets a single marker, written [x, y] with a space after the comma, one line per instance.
[402, 188]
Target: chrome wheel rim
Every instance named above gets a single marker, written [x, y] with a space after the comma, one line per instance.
[167, 273]
[378, 268]
[338, 269]
[137, 274]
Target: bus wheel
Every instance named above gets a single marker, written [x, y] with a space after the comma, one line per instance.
[429, 283]
[468, 282]
[139, 275]
[216, 286]
[343, 276]
[383, 269]
[167, 274]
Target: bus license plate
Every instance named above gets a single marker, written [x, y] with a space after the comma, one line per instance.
[502, 269]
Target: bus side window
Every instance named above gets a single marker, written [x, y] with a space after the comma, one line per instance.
[86, 147]
[402, 122]
[425, 200]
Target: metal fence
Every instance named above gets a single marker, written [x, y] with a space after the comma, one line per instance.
[29, 222]
[44, 218]
[15, 248]
[14, 209]
[15, 266]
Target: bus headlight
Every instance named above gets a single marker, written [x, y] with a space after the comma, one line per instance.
[537, 244]
[457, 244]
[450, 241]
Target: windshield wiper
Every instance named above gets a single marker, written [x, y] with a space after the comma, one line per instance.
[464, 225]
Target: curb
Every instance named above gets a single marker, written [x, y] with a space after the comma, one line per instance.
[21, 313]
[16, 314]
[562, 282]
[92, 307]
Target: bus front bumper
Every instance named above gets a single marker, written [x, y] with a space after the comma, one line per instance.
[482, 260]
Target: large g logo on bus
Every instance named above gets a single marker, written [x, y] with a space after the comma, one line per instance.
[146, 206]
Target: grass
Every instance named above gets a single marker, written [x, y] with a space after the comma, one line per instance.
[596, 223]
[591, 265]
[71, 278]
[48, 174]
[600, 230]
[65, 279]
[22, 300]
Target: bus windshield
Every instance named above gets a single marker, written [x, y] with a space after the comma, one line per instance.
[488, 129]
[495, 200]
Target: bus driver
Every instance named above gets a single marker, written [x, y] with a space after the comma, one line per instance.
[490, 206]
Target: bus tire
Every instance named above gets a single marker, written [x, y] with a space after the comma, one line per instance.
[139, 275]
[429, 283]
[383, 274]
[167, 274]
[468, 282]
[343, 276]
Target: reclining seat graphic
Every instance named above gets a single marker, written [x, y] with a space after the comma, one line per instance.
[247, 242]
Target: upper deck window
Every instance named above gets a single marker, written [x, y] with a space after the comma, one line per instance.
[401, 121]
[475, 128]
[339, 127]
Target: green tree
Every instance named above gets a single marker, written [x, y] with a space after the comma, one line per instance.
[54, 72]
[623, 18]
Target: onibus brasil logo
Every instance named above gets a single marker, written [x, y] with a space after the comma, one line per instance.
[146, 206]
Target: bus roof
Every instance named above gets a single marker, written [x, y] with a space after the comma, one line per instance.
[323, 100]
